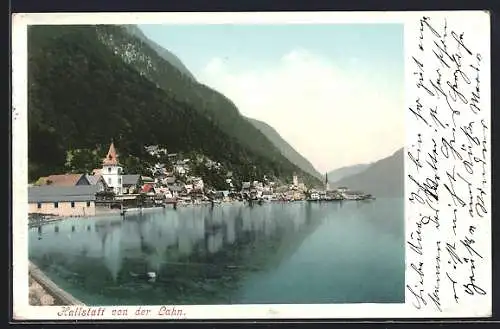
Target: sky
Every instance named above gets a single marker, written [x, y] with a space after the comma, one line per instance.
[334, 92]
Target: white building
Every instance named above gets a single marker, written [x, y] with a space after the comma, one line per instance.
[198, 184]
[180, 169]
[188, 187]
[295, 180]
[112, 172]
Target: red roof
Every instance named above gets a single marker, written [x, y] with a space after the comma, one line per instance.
[111, 158]
[62, 180]
[146, 188]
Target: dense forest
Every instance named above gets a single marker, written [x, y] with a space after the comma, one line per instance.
[151, 64]
[83, 93]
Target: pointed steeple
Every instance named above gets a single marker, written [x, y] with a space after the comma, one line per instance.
[111, 158]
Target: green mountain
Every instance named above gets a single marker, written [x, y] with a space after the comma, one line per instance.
[339, 173]
[286, 149]
[85, 87]
[269, 132]
[383, 178]
[218, 108]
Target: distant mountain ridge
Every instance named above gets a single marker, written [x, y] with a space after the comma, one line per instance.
[383, 178]
[339, 173]
[286, 149]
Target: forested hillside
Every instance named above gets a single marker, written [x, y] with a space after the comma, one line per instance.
[212, 104]
[286, 149]
[82, 94]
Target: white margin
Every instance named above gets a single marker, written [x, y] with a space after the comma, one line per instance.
[22, 310]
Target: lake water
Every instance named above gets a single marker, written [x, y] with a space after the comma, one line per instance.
[278, 253]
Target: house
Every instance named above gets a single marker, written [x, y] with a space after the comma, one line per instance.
[98, 181]
[175, 190]
[180, 169]
[172, 157]
[168, 180]
[222, 194]
[62, 201]
[155, 150]
[257, 185]
[198, 184]
[188, 188]
[131, 183]
[314, 196]
[148, 189]
[165, 192]
[147, 180]
[64, 180]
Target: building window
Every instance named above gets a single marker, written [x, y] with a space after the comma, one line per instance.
[119, 180]
[109, 181]
[88, 203]
[109, 169]
[56, 204]
[72, 204]
[39, 205]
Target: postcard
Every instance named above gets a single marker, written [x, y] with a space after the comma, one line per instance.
[293, 165]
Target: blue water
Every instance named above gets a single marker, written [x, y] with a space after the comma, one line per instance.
[349, 252]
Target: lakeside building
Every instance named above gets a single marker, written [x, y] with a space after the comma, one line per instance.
[63, 180]
[112, 171]
[131, 183]
[64, 201]
[98, 181]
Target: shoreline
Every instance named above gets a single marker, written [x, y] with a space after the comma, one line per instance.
[44, 292]
[47, 219]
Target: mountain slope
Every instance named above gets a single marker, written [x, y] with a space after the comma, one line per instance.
[338, 174]
[384, 178]
[212, 104]
[81, 95]
[286, 149]
[162, 52]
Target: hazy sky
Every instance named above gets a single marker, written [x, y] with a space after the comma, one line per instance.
[334, 92]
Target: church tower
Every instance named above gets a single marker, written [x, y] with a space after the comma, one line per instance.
[327, 184]
[112, 171]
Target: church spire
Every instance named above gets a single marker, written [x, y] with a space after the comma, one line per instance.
[111, 158]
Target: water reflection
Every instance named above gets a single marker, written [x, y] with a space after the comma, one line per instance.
[191, 255]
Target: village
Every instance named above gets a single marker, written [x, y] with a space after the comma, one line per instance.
[108, 190]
